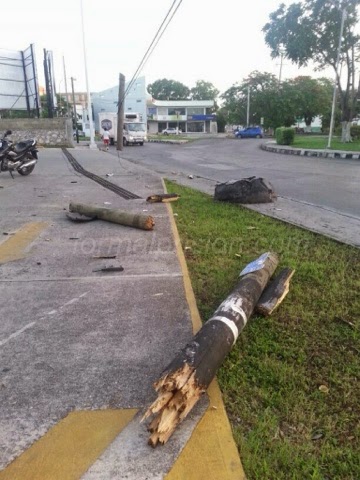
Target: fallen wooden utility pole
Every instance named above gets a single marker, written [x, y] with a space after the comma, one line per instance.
[163, 197]
[114, 215]
[187, 377]
[275, 292]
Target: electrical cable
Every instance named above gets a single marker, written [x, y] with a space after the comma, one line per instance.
[162, 33]
[151, 48]
[143, 58]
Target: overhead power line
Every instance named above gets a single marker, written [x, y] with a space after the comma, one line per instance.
[152, 45]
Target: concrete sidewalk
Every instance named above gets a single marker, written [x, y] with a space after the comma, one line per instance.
[81, 349]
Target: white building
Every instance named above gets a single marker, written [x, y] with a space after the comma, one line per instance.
[190, 116]
[107, 100]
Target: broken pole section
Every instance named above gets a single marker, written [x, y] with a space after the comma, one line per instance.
[187, 377]
[114, 215]
[275, 292]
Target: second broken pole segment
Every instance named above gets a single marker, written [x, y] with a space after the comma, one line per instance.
[187, 377]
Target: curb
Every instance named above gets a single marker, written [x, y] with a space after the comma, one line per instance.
[171, 142]
[211, 447]
[311, 153]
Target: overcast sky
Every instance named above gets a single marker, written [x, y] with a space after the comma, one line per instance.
[216, 41]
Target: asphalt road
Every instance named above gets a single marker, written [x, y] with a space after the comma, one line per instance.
[330, 183]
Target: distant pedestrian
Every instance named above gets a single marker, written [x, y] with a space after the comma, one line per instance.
[106, 138]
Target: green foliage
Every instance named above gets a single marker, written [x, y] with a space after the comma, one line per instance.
[221, 119]
[309, 31]
[284, 426]
[164, 89]
[285, 136]
[355, 132]
[204, 91]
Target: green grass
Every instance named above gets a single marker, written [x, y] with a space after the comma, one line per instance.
[284, 426]
[320, 142]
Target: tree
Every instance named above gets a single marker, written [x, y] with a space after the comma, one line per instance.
[267, 101]
[164, 89]
[309, 31]
[204, 91]
[310, 97]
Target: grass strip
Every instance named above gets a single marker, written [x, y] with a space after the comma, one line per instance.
[291, 383]
[320, 142]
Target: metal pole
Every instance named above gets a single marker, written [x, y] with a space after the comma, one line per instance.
[48, 89]
[37, 102]
[281, 65]
[248, 107]
[120, 115]
[91, 124]
[75, 115]
[335, 82]
[66, 90]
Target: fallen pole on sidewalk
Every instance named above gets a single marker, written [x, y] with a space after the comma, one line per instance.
[114, 215]
[187, 377]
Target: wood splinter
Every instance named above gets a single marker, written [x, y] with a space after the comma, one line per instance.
[275, 292]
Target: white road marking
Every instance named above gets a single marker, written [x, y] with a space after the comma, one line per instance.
[31, 324]
[15, 334]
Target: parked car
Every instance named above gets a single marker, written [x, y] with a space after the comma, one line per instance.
[250, 132]
[171, 131]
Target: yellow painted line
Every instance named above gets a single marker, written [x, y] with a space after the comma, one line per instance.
[68, 450]
[14, 247]
[211, 452]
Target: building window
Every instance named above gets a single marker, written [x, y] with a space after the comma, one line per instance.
[196, 127]
[195, 111]
[162, 111]
[176, 111]
[138, 101]
[161, 126]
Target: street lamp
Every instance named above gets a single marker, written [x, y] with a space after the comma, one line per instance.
[343, 18]
[92, 136]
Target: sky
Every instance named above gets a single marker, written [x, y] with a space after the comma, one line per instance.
[217, 41]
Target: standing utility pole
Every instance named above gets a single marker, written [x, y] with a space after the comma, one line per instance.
[336, 78]
[248, 107]
[120, 115]
[75, 115]
[91, 124]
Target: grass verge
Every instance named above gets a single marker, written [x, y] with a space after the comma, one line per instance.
[291, 383]
[320, 142]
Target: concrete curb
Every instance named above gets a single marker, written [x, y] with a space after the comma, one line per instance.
[307, 152]
[171, 142]
[211, 448]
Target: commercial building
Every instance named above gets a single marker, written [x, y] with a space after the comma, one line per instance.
[190, 116]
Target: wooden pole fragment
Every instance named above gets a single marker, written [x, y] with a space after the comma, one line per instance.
[275, 292]
[114, 215]
[164, 198]
[189, 374]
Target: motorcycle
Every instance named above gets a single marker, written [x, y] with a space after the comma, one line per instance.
[21, 156]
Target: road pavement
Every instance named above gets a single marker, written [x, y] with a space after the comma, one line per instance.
[80, 349]
[320, 194]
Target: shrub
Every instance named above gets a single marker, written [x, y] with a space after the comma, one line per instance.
[355, 132]
[285, 136]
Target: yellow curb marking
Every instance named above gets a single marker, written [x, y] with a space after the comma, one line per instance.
[211, 453]
[68, 450]
[13, 248]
